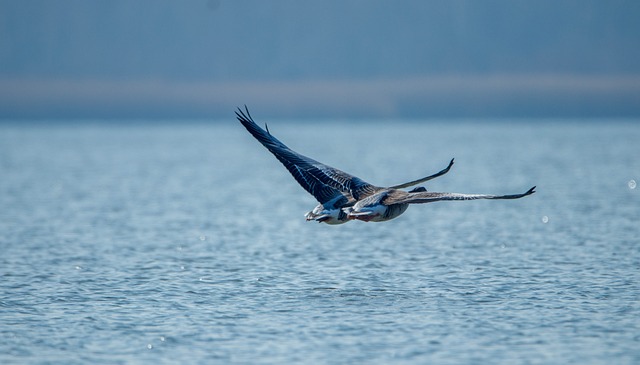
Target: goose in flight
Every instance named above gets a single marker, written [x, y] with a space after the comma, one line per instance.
[345, 197]
[333, 189]
[389, 203]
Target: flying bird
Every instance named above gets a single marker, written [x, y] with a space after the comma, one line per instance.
[343, 197]
[325, 183]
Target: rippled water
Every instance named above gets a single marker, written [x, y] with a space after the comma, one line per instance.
[186, 243]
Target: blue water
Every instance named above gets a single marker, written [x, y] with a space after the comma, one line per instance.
[186, 243]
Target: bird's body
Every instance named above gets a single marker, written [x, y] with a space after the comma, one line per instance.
[345, 197]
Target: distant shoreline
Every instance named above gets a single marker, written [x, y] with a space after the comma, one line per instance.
[422, 96]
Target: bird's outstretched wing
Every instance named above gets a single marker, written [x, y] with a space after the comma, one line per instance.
[430, 177]
[323, 182]
[402, 197]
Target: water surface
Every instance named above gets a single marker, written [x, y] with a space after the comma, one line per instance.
[186, 243]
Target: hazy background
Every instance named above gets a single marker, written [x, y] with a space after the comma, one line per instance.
[330, 58]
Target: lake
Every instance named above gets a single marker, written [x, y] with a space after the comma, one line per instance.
[185, 242]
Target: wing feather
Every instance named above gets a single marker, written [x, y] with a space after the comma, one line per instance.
[430, 177]
[402, 197]
[322, 181]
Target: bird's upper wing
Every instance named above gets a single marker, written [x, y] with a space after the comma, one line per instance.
[323, 182]
[415, 182]
[326, 195]
[403, 197]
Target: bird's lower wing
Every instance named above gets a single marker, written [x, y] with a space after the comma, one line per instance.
[428, 197]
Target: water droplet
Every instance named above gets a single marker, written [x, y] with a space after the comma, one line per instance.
[632, 184]
[149, 346]
[545, 219]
